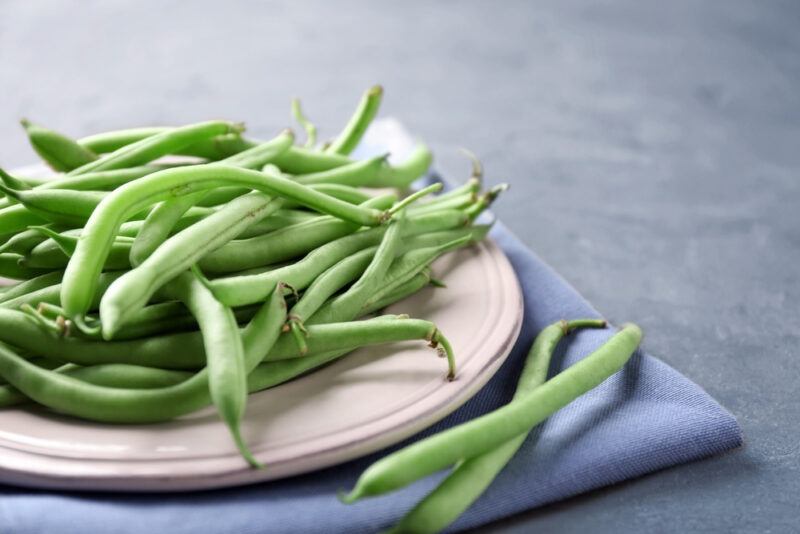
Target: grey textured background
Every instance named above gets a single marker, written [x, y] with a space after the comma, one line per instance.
[653, 150]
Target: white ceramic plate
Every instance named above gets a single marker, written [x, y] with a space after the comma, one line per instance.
[371, 399]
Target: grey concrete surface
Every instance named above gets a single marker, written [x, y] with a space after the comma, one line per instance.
[653, 149]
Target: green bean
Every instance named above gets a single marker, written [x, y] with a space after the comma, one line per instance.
[59, 151]
[489, 431]
[24, 241]
[470, 478]
[17, 218]
[352, 133]
[155, 319]
[317, 294]
[338, 336]
[224, 350]
[97, 237]
[453, 202]
[402, 291]
[10, 267]
[253, 158]
[13, 183]
[159, 224]
[485, 200]
[213, 149]
[403, 174]
[242, 290]
[350, 303]
[131, 291]
[102, 180]
[308, 126]
[124, 405]
[112, 375]
[54, 253]
[283, 244]
[33, 284]
[278, 220]
[221, 195]
[158, 145]
[322, 288]
[347, 307]
[298, 160]
[52, 293]
[356, 174]
[263, 153]
[106, 142]
[343, 192]
[472, 185]
[409, 267]
[61, 206]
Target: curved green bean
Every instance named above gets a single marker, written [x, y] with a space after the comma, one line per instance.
[225, 358]
[352, 133]
[489, 431]
[470, 478]
[60, 152]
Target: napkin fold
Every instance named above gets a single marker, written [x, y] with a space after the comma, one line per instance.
[644, 418]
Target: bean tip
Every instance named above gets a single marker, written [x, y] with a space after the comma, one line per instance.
[347, 498]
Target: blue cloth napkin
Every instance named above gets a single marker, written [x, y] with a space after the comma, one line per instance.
[645, 418]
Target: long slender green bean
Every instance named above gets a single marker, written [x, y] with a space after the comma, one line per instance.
[403, 174]
[33, 284]
[224, 350]
[284, 243]
[112, 375]
[54, 253]
[470, 478]
[486, 433]
[66, 206]
[212, 149]
[158, 145]
[299, 160]
[402, 291]
[352, 133]
[159, 224]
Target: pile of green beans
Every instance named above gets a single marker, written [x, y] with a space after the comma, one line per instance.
[164, 269]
